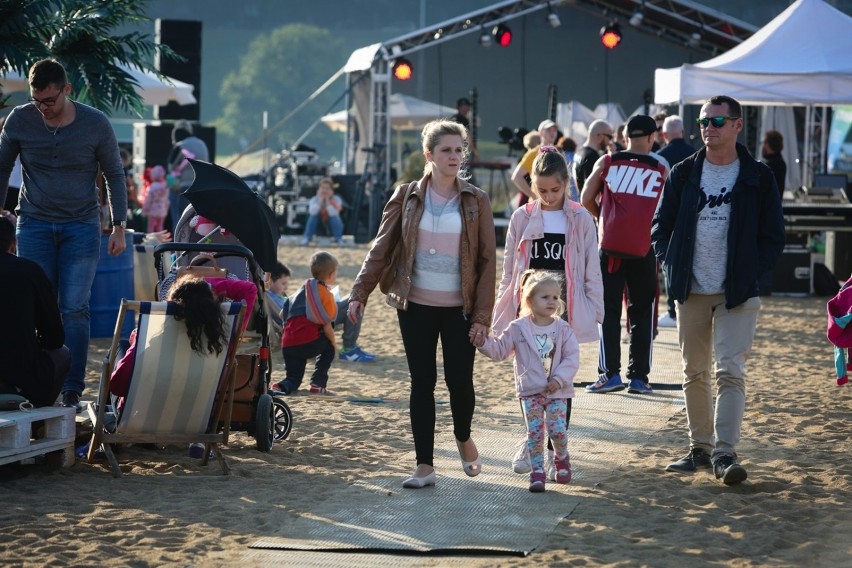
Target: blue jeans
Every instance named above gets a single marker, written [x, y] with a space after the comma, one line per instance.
[334, 223]
[68, 253]
[177, 204]
[351, 331]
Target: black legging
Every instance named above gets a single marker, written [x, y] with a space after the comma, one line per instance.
[421, 326]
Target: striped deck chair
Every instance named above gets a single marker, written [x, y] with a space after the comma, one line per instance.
[144, 273]
[176, 395]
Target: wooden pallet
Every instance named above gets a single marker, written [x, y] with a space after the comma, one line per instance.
[17, 440]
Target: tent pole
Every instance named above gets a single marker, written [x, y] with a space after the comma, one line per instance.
[823, 143]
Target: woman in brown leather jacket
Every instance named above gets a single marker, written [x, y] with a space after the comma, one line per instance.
[434, 257]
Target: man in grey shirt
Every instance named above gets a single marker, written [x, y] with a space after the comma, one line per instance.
[63, 146]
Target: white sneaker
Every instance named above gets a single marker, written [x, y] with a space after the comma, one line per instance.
[666, 321]
[550, 466]
[521, 461]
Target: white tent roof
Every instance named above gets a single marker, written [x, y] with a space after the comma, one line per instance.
[407, 113]
[800, 57]
[149, 87]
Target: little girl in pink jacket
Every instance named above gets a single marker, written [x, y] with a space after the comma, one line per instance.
[547, 356]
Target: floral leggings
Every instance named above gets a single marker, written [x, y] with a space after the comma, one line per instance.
[536, 408]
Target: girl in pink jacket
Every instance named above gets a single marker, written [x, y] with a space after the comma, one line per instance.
[556, 234]
[547, 356]
[156, 204]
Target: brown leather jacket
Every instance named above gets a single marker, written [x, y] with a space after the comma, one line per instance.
[398, 229]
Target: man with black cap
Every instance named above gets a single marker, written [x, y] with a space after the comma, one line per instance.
[622, 193]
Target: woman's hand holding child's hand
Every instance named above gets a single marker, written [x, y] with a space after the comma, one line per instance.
[477, 334]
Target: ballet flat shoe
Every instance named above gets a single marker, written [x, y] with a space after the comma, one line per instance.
[415, 482]
[471, 468]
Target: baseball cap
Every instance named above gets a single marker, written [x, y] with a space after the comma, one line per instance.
[641, 125]
[462, 101]
[545, 124]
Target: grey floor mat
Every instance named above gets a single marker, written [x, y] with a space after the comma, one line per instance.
[493, 513]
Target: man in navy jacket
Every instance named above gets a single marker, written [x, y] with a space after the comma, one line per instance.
[718, 228]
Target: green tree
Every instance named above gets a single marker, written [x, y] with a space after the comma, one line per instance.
[81, 34]
[278, 72]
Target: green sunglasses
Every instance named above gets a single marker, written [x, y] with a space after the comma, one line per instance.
[716, 121]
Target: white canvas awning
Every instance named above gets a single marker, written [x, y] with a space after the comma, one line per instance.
[802, 57]
[149, 87]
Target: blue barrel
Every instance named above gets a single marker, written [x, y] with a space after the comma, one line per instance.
[113, 281]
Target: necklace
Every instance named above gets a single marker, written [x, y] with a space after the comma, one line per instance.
[436, 219]
[55, 130]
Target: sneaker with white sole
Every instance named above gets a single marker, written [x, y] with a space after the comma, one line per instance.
[604, 384]
[639, 386]
[521, 461]
[356, 355]
[666, 321]
[550, 465]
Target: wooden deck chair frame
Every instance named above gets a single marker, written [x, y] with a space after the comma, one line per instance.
[145, 282]
[176, 395]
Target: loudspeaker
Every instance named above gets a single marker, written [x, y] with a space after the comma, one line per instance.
[184, 37]
[151, 144]
[792, 273]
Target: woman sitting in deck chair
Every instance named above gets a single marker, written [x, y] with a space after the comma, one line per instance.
[198, 305]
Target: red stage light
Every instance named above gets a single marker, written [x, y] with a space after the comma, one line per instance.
[611, 35]
[503, 34]
[402, 69]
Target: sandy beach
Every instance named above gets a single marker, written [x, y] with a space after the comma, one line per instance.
[795, 509]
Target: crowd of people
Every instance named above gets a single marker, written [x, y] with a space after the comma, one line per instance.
[587, 235]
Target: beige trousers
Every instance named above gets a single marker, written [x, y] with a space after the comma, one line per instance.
[705, 327]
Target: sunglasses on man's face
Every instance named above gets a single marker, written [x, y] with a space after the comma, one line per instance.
[716, 121]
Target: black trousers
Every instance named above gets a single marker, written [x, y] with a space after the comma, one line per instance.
[640, 276]
[421, 327]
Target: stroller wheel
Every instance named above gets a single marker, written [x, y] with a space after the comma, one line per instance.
[263, 423]
[282, 420]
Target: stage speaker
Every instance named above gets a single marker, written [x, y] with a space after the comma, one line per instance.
[152, 143]
[184, 37]
[792, 273]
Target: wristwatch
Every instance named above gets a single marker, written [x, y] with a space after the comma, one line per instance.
[122, 224]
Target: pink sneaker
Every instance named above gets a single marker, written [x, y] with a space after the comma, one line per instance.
[316, 389]
[563, 470]
[537, 480]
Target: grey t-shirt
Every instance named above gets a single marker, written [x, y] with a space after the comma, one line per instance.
[711, 234]
[60, 167]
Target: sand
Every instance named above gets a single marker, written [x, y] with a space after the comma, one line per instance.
[794, 509]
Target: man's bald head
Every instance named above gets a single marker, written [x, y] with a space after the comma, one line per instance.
[600, 133]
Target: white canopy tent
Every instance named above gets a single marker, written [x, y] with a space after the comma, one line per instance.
[799, 58]
[151, 88]
[406, 113]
